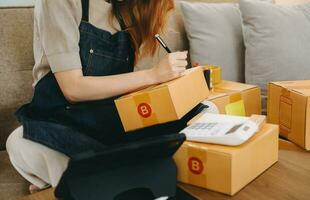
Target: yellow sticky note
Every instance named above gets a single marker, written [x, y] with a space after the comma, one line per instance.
[236, 108]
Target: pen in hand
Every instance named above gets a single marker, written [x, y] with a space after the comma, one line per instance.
[163, 44]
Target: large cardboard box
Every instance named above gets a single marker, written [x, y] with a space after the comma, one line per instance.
[236, 98]
[163, 103]
[227, 169]
[289, 106]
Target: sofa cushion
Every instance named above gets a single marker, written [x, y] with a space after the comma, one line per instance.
[215, 35]
[277, 42]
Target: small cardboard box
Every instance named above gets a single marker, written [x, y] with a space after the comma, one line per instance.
[236, 98]
[227, 169]
[163, 103]
[289, 106]
[216, 73]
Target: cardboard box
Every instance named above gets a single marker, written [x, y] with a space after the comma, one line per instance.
[163, 103]
[289, 146]
[227, 169]
[216, 73]
[236, 98]
[289, 106]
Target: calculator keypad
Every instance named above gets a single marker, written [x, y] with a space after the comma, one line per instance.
[202, 126]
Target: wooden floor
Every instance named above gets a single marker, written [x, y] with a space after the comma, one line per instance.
[289, 179]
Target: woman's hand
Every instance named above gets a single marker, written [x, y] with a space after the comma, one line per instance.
[170, 67]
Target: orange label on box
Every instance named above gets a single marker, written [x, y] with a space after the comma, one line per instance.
[145, 110]
[195, 165]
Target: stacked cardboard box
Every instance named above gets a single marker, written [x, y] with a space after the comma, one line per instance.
[228, 169]
[220, 168]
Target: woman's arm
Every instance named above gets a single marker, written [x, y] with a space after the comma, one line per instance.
[78, 88]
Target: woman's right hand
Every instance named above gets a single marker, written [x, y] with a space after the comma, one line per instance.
[170, 67]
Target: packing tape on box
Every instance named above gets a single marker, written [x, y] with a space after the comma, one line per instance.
[145, 110]
[236, 104]
[285, 112]
[303, 87]
[296, 87]
[196, 165]
[237, 108]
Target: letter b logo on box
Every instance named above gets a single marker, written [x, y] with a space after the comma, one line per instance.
[144, 110]
[195, 165]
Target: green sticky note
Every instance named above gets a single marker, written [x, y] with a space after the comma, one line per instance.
[237, 108]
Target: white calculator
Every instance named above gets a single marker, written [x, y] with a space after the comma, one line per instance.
[223, 129]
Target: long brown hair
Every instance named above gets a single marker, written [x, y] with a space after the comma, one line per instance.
[143, 19]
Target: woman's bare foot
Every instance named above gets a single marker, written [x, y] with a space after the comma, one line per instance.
[33, 189]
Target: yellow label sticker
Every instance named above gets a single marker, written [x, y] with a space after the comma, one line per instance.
[237, 108]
